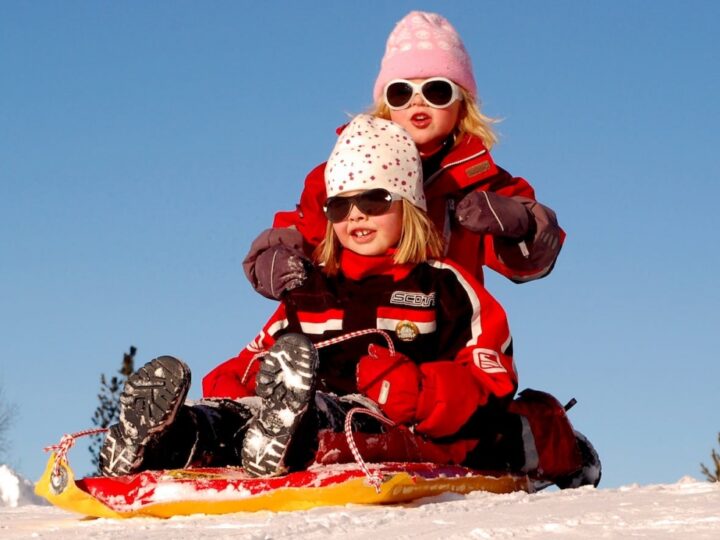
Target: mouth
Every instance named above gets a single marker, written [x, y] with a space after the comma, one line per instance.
[362, 235]
[420, 119]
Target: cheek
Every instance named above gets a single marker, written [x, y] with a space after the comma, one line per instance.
[339, 229]
[391, 225]
[447, 118]
[401, 117]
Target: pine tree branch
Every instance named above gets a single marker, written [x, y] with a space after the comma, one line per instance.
[712, 476]
[8, 413]
[108, 411]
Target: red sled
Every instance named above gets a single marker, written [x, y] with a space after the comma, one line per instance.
[226, 490]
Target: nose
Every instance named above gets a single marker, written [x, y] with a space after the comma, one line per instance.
[356, 214]
[417, 99]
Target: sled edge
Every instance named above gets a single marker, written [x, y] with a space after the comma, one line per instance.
[397, 488]
[68, 496]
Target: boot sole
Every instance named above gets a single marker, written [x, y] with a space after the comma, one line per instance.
[286, 384]
[150, 401]
[118, 456]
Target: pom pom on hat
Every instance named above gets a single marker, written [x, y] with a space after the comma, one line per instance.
[424, 45]
[374, 153]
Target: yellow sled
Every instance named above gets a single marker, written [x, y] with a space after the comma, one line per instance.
[226, 490]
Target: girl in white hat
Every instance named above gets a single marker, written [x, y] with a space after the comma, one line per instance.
[448, 372]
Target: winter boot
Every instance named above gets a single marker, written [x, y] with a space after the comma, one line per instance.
[148, 405]
[591, 471]
[286, 384]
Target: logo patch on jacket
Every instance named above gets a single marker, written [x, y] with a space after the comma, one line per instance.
[406, 323]
[488, 360]
[475, 170]
[418, 299]
[406, 330]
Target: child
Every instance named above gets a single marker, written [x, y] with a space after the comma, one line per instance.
[451, 376]
[487, 217]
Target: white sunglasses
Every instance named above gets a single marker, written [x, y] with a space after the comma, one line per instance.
[438, 92]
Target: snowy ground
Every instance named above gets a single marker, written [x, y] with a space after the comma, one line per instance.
[689, 509]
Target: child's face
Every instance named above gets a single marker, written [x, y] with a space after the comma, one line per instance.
[428, 126]
[370, 235]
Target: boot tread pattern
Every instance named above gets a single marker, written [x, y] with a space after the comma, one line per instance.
[152, 396]
[150, 400]
[286, 383]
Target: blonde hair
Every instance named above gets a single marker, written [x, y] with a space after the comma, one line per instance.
[470, 119]
[419, 241]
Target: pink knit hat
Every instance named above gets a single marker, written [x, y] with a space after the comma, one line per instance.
[375, 153]
[424, 45]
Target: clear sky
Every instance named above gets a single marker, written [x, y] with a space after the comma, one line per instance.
[144, 145]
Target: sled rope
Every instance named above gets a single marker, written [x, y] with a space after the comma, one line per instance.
[374, 480]
[355, 334]
[243, 380]
[66, 443]
[328, 342]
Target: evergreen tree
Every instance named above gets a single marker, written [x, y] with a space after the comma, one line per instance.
[7, 416]
[712, 476]
[108, 412]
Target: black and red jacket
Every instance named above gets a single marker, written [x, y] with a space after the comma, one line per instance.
[434, 311]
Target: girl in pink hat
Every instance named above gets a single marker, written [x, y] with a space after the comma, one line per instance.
[487, 216]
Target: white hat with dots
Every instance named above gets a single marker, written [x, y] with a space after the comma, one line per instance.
[374, 153]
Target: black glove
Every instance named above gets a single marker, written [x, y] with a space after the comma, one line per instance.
[276, 262]
[486, 212]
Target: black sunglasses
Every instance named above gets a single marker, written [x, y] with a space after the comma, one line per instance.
[373, 202]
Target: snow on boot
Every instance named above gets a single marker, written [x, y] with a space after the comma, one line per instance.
[148, 404]
[286, 384]
[591, 471]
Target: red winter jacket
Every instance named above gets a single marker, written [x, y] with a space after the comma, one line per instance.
[442, 314]
[468, 166]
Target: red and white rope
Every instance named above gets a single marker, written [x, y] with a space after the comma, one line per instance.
[375, 480]
[66, 443]
[243, 380]
[355, 334]
[326, 343]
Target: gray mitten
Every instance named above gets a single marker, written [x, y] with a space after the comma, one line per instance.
[486, 212]
[276, 262]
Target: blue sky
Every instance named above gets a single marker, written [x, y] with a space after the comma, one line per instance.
[144, 145]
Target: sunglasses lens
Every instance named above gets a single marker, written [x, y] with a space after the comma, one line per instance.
[374, 202]
[337, 208]
[398, 94]
[438, 93]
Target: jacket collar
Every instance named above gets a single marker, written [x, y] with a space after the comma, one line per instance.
[356, 267]
[467, 164]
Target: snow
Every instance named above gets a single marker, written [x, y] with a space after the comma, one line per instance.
[15, 490]
[688, 509]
